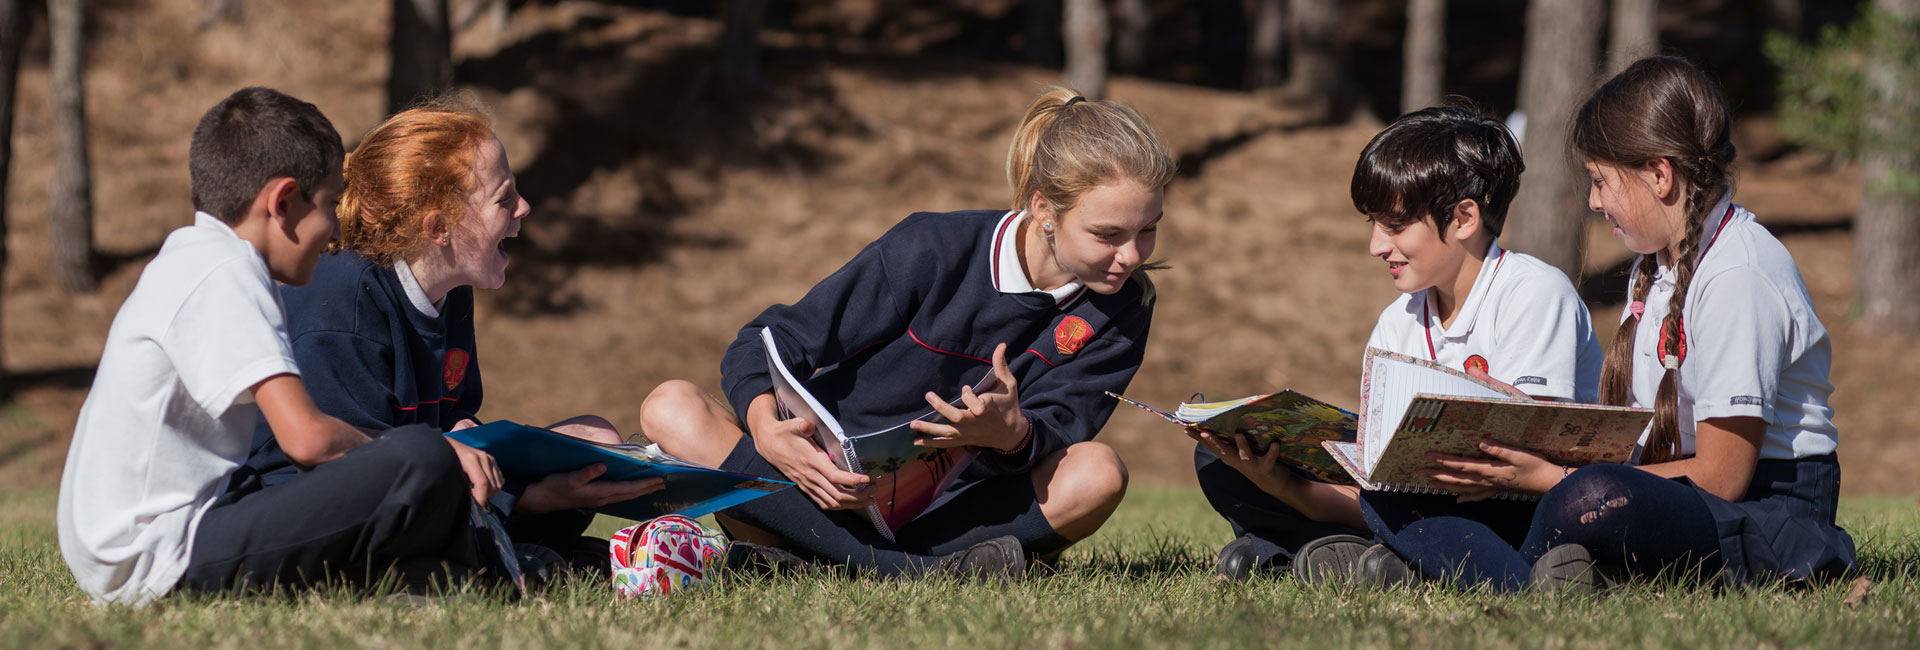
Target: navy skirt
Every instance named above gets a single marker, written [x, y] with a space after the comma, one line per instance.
[1783, 527]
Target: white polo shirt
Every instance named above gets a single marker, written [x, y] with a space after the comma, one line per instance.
[1755, 347]
[1522, 318]
[170, 414]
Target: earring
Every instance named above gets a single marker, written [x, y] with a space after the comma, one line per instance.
[1047, 226]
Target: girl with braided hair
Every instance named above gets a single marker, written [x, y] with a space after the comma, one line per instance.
[1738, 475]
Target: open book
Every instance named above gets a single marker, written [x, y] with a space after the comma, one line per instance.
[906, 477]
[1295, 422]
[1412, 406]
[692, 490]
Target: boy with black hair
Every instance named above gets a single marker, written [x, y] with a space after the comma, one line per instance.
[197, 352]
[1435, 185]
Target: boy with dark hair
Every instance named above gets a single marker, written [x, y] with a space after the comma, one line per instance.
[197, 352]
[1435, 184]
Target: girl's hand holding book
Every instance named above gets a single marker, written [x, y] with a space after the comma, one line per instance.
[1506, 469]
[1264, 470]
[991, 419]
[788, 445]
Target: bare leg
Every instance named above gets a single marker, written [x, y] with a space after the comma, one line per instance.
[588, 427]
[689, 423]
[1079, 488]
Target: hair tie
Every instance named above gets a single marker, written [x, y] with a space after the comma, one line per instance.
[1670, 362]
[1637, 308]
[1076, 99]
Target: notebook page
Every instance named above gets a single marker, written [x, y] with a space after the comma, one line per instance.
[1392, 384]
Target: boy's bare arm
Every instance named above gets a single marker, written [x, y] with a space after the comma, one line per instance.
[308, 436]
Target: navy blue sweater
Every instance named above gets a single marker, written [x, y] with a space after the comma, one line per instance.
[917, 311]
[372, 360]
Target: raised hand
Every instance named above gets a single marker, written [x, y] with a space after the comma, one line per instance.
[991, 419]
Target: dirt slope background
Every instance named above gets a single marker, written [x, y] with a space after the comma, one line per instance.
[668, 212]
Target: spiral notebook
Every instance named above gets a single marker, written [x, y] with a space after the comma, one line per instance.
[1412, 406]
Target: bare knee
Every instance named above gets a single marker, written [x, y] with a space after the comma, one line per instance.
[1084, 483]
[665, 412]
[589, 427]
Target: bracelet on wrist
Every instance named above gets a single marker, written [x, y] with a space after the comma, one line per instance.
[1024, 440]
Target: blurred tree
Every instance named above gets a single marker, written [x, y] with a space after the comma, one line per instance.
[1266, 35]
[422, 47]
[13, 30]
[740, 44]
[1130, 36]
[70, 194]
[1633, 33]
[1857, 93]
[218, 11]
[1086, 37]
[1548, 217]
[1043, 33]
[1317, 75]
[1426, 54]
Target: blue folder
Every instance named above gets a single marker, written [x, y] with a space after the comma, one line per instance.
[533, 453]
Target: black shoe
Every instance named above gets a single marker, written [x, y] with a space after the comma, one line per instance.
[1000, 557]
[1380, 567]
[1567, 569]
[1330, 560]
[1240, 560]
[755, 559]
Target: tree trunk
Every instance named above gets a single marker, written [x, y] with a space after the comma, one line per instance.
[1086, 37]
[13, 30]
[1266, 34]
[1043, 33]
[1786, 15]
[1548, 217]
[1886, 233]
[70, 195]
[1425, 58]
[1317, 70]
[422, 48]
[1634, 32]
[740, 44]
[1130, 36]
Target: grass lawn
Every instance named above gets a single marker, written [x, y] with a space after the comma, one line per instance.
[1146, 580]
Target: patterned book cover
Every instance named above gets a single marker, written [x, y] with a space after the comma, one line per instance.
[1299, 424]
[1567, 434]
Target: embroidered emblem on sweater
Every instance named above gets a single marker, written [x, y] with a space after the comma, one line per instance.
[456, 371]
[1071, 334]
[1476, 361]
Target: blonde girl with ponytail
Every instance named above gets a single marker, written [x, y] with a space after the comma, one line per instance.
[1050, 297]
[1737, 475]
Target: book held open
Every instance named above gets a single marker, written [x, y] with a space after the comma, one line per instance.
[906, 477]
[1410, 407]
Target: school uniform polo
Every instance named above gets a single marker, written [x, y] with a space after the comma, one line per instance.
[921, 309]
[376, 353]
[1755, 348]
[1522, 321]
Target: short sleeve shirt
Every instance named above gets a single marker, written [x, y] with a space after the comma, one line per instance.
[171, 412]
[1755, 347]
[1522, 321]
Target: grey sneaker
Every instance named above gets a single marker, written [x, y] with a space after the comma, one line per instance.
[1567, 569]
[1379, 567]
[1000, 557]
[1330, 560]
[1240, 559]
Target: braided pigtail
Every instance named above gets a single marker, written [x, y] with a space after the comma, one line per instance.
[1616, 374]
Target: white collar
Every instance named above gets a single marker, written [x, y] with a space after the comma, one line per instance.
[415, 294]
[208, 220]
[1469, 310]
[1009, 276]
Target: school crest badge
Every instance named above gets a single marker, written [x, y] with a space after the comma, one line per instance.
[1476, 361]
[1071, 334]
[456, 370]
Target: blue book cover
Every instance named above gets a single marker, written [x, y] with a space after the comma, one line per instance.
[532, 453]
